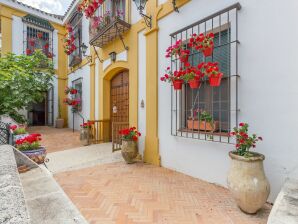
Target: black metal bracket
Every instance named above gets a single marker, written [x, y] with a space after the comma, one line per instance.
[175, 6]
[97, 54]
[147, 19]
[121, 38]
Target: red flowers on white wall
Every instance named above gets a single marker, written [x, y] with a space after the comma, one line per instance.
[193, 74]
[69, 45]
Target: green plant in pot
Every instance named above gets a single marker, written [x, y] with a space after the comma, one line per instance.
[246, 179]
[202, 120]
[59, 119]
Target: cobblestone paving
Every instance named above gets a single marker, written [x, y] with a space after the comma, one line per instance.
[141, 194]
[55, 139]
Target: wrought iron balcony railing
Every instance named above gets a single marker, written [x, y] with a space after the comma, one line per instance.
[106, 28]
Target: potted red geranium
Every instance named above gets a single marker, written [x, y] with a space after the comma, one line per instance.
[129, 148]
[246, 179]
[30, 146]
[177, 50]
[211, 70]
[193, 77]
[203, 43]
[175, 77]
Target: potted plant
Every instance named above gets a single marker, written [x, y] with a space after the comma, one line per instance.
[30, 146]
[176, 78]
[212, 72]
[193, 77]
[59, 119]
[129, 148]
[18, 132]
[178, 50]
[85, 133]
[203, 43]
[202, 120]
[246, 179]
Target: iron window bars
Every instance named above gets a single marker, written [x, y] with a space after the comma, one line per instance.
[75, 57]
[31, 27]
[220, 102]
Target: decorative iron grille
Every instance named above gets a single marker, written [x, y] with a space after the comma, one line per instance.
[4, 133]
[219, 103]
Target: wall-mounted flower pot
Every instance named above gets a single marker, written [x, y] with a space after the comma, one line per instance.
[247, 182]
[202, 125]
[177, 84]
[208, 51]
[194, 84]
[215, 81]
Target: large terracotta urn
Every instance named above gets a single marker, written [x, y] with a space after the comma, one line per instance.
[247, 182]
[85, 136]
[129, 151]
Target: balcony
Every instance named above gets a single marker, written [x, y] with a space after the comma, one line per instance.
[107, 26]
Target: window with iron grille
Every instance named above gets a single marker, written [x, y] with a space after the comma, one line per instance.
[209, 113]
[37, 38]
[75, 57]
[77, 84]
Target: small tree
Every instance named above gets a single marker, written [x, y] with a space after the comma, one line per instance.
[23, 80]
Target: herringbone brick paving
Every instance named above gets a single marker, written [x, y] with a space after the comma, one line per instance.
[141, 194]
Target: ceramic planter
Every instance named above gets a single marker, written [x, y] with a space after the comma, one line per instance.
[215, 80]
[208, 51]
[202, 125]
[85, 136]
[194, 84]
[247, 182]
[129, 151]
[59, 123]
[177, 84]
[37, 155]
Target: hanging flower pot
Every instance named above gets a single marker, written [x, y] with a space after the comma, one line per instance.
[194, 84]
[208, 51]
[177, 84]
[215, 80]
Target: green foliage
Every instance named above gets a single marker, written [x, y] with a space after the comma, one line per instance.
[20, 131]
[29, 146]
[205, 116]
[23, 80]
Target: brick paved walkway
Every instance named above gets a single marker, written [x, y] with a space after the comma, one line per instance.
[55, 139]
[142, 194]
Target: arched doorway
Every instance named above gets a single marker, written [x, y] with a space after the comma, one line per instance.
[119, 108]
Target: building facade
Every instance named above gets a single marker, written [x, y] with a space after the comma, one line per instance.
[118, 78]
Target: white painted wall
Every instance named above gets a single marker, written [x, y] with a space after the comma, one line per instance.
[142, 90]
[55, 84]
[17, 35]
[267, 91]
[84, 72]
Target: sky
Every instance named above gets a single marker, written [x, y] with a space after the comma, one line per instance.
[52, 6]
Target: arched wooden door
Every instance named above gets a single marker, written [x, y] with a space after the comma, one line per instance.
[119, 106]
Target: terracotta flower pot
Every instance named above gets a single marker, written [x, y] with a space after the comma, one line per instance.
[215, 81]
[247, 182]
[85, 136]
[208, 51]
[194, 84]
[177, 84]
[59, 123]
[202, 125]
[129, 151]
